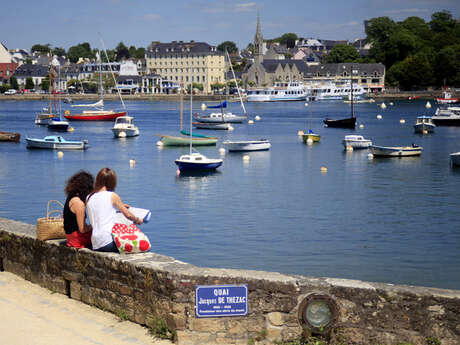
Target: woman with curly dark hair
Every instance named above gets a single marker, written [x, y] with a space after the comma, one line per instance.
[77, 188]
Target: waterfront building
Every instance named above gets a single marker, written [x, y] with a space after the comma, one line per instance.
[370, 76]
[36, 72]
[172, 61]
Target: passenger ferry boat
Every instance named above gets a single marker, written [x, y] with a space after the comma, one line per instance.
[282, 91]
[335, 91]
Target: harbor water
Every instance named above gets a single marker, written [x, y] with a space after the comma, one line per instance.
[394, 220]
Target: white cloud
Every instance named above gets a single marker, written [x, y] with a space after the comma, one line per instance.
[224, 7]
[246, 7]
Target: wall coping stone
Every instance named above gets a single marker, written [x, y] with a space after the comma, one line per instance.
[288, 290]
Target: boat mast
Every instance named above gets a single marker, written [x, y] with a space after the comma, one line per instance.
[113, 76]
[191, 96]
[100, 75]
[236, 83]
[181, 100]
[352, 108]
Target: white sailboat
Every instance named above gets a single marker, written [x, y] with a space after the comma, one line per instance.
[195, 161]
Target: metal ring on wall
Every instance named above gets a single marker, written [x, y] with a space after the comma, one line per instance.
[318, 312]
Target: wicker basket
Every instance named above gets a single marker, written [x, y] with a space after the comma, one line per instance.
[50, 228]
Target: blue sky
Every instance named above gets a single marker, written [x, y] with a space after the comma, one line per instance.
[138, 22]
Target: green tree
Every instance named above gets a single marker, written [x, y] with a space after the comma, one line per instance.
[45, 84]
[447, 66]
[121, 52]
[14, 83]
[29, 83]
[41, 48]
[418, 27]
[401, 43]
[140, 53]
[59, 51]
[442, 21]
[414, 73]
[82, 50]
[288, 39]
[342, 53]
[250, 48]
[132, 51]
[228, 46]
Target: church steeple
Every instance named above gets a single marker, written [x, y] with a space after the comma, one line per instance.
[258, 43]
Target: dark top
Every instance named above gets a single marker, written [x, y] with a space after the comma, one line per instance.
[70, 218]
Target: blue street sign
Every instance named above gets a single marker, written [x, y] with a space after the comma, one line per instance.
[221, 300]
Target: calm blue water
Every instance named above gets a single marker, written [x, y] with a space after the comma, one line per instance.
[389, 220]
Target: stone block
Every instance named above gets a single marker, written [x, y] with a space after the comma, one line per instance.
[75, 290]
[207, 325]
[72, 276]
[276, 318]
[274, 333]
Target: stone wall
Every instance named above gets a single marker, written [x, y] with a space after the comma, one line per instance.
[159, 292]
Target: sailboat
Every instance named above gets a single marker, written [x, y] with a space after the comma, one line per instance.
[98, 113]
[310, 135]
[184, 139]
[195, 161]
[57, 123]
[224, 116]
[349, 122]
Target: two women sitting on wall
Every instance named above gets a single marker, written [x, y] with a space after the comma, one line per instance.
[101, 203]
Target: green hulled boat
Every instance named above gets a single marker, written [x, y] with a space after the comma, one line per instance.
[169, 140]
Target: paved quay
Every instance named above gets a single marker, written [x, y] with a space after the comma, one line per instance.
[32, 315]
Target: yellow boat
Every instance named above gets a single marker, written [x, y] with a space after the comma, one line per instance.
[310, 135]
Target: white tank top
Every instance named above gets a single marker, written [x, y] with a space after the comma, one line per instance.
[101, 215]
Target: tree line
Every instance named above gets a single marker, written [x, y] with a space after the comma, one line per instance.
[416, 54]
[84, 50]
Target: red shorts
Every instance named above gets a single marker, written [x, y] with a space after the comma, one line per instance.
[79, 240]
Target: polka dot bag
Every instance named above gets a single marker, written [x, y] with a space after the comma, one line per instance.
[130, 239]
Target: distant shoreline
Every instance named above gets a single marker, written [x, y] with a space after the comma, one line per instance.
[175, 97]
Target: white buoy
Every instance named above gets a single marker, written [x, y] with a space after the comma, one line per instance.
[370, 156]
[306, 104]
[246, 158]
[230, 128]
[222, 151]
[383, 105]
[425, 131]
[60, 154]
[323, 169]
[159, 143]
[257, 118]
[203, 106]
[132, 163]
[309, 141]
[361, 126]
[402, 121]
[251, 122]
[300, 132]
[349, 148]
[177, 172]
[379, 117]
[122, 134]
[428, 105]
[391, 103]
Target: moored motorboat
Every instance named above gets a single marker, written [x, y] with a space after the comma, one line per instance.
[56, 142]
[220, 117]
[449, 116]
[455, 159]
[424, 124]
[446, 98]
[124, 127]
[396, 151]
[356, 142]
[10, 136]
[247, 145]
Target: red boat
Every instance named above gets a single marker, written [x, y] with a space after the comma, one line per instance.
[447, 98]
[413, 97]
[95, 115]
